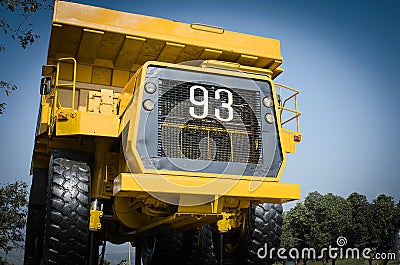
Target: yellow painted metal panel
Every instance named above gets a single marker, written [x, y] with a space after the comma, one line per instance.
[69, 40]
[156, 29]
[229, 56]
[150, 51]
[110, 45]
[66, 71]
[104, 63]
[127, 92]
[90, 125]
[288, 143]
[135, 67]
[84, 73]
[101, 76]
[170, 52]
[126, 182]
[190, 53]
[120, 78]
[86, 123]
[129, 51]
[247, 59]
[210, 54]
[45, 112]
[288, 140]
[89, 45]
[55, 36]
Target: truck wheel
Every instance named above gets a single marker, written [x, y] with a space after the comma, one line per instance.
[36, 217]
[199, 246]
[68, 209]
[34, 234]
[163, 249]
[262, 225]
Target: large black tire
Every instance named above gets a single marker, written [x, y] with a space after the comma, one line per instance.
[68, 210]
[34, 234]
[199, 247]
[36, 217]
[163, 249]
[262, 225]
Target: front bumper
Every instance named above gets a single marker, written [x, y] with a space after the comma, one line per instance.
[260, 191]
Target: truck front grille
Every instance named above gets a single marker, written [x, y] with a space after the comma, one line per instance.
[182, 136]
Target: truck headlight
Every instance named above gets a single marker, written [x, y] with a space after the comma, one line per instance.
[148, 105]
[268, 102]
[269, 118]
[150, 87]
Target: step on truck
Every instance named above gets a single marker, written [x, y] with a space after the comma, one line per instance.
[167, 135]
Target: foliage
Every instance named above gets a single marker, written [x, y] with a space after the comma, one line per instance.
[14, 19]
[7, 87]
[384, 222]
[359, 231]
[13, 211]
[332, 217]
[397, 215]
[297, 227]
[321, 219]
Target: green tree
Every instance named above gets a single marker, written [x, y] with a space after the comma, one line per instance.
[332, 215]
[397, 216]
[385, 223]
[317, 223]
[361, 233]
[298, 223]
[13, 210]
[318, 237]
[358, 232]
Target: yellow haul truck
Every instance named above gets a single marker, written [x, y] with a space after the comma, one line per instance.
[168, 135]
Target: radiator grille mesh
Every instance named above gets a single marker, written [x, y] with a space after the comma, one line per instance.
[182, 136]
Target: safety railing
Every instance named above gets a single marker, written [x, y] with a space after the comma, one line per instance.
[288, 96]
[56, 102]
[71, 85]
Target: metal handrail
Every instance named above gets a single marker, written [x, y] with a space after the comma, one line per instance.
[282, 106]
[73, 81]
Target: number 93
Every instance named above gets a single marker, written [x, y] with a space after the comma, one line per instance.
[204, 103]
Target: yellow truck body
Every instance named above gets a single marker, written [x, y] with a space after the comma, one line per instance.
[104, 93]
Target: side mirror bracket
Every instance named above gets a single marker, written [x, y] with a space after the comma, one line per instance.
[49, 72]
[45, 85]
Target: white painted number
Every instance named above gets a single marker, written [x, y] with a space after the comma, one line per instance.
[227, 105]
[204, 103]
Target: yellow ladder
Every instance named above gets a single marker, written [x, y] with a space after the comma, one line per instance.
[56, 102]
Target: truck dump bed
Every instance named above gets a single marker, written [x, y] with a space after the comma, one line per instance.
[110, 46]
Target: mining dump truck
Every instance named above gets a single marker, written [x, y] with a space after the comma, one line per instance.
[167, 135]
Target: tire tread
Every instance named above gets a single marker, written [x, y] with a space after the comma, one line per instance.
[67, 230]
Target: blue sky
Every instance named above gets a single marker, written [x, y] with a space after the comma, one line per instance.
[342, 55]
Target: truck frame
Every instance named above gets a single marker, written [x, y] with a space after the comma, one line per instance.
[168, 135]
